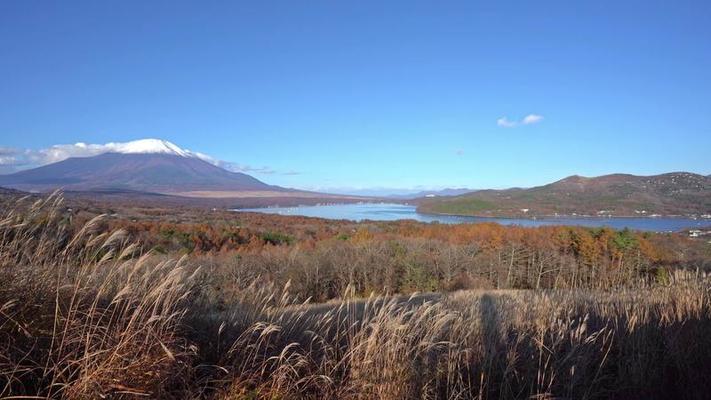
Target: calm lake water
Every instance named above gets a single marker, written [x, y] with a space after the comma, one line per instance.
[392, 212]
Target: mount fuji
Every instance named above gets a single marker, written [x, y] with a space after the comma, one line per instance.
[147, 165]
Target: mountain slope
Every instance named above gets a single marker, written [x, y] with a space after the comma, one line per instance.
[142, 169]
[677, 193]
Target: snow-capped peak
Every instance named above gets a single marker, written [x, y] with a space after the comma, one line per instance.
[60, 152]
[144, 146]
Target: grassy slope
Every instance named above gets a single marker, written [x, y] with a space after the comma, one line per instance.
[458, 206]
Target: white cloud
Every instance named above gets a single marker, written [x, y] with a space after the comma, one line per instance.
[529, 119]
[505, 123]
[248, 169]
[61, 152]
[532, 119]
[8, 156]
[8, 160]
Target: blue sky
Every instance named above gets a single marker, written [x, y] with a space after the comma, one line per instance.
[369, 94]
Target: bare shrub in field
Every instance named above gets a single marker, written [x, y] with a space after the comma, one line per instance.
[83, 315]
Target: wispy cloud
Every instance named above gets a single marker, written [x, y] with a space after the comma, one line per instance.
[8, 156]
[247, 169]
[505, 123]
[14, 159]
[532, 119]
[529, 119]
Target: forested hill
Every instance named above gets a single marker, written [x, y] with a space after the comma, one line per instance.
[676, 193]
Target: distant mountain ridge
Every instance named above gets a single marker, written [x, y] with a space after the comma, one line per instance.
[432, 193]
[164, 171]
[675, 193]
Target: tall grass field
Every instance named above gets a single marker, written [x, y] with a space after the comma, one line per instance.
[90, 314]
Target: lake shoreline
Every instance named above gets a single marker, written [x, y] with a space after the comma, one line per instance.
[361, 212]
[499, 216]
[549, 216]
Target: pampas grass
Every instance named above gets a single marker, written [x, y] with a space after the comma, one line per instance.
[86, 315]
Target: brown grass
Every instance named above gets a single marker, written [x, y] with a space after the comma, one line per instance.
[82, 316]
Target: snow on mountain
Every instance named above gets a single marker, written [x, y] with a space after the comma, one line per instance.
[143, 146]
[60, 152]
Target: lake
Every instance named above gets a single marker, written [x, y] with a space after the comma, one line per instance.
[392, 212]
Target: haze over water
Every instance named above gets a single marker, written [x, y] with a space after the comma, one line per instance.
[393, 212]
